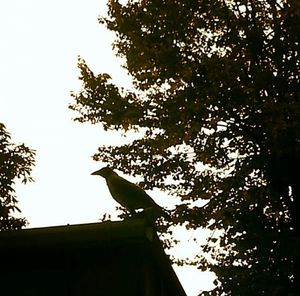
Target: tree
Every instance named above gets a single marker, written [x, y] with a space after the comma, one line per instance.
[216, 96]
[16, 161]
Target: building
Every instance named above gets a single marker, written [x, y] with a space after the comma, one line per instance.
[108, 258]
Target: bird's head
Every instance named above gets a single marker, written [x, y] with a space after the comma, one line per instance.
[104, 172]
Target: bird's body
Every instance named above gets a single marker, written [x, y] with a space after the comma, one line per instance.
[129, 195]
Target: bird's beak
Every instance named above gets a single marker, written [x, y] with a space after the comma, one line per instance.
[96, 173]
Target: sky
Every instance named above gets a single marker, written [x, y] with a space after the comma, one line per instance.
[40, 41]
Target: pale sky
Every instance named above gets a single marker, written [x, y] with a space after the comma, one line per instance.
[40, 42]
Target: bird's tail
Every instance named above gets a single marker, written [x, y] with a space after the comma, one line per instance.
[157, 212]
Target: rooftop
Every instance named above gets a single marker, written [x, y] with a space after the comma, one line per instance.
[108, 258]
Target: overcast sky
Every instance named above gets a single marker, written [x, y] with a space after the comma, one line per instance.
[40, 43]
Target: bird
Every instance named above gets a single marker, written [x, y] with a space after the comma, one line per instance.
[129, 195]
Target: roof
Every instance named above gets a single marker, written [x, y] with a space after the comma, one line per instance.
[127, 252]
[93, 234]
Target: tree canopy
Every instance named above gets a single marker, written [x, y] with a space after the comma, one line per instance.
[16, 161]
[217, 98]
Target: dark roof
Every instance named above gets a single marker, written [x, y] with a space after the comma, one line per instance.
[93, 234]
[127, 249]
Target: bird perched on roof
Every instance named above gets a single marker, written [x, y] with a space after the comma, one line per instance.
[129, 195]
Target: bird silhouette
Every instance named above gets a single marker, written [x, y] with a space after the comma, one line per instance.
[129, 195]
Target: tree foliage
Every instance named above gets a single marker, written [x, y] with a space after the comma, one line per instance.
[217, 97]
[16, 161]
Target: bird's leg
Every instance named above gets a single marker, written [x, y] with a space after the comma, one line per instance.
[132, 212]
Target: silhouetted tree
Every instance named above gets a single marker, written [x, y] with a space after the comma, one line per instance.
[217, 99]
[16, 162]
